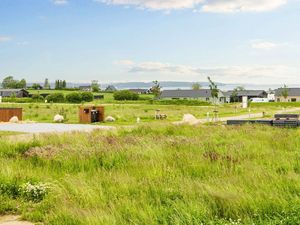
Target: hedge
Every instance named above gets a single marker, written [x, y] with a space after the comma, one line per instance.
[125, 95]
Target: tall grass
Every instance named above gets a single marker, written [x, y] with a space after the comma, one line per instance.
[159, 175]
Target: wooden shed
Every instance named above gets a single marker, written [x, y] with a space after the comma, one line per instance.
[91, 114]
[7, 113]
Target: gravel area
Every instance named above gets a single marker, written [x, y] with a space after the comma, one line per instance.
[50, 127]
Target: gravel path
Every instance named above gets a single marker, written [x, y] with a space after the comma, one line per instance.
[240, 117]
[13, 220]
[50, 127]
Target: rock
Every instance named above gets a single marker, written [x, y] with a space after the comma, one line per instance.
[14, 119]
[190, 119]
[110, 119]
[58, 118]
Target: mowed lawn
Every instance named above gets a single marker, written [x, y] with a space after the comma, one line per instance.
[156, 175]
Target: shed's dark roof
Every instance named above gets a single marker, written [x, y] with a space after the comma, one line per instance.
[246, 93]
[203, 93]
[9, 92]
[291, 91]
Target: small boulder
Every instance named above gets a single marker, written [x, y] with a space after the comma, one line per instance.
[58, 118]
[110, 119]
[14, 119]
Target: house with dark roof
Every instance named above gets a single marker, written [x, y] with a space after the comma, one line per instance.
[293, 95]
[202, 95]
[85, 88]
[19, 93]
[232, 96]
[140, 91]
[110, 88]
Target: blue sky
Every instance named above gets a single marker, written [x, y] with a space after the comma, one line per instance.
[233, 41]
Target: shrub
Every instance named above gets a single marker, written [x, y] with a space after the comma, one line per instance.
[56, 98]
[37, 98]
[17, 100]
[125, 95]
[74, 97]
[87, 97]
[33, 192]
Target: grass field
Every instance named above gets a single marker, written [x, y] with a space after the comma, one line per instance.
[155, 175]
[126, 114]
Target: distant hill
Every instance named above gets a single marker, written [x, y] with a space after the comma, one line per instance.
[164, 84]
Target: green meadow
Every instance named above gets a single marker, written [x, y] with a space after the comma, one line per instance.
[127, 114]
[160, 174]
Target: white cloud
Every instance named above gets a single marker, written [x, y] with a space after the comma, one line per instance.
[229, 6]
[155, 4]
[23, 43]
[216, 6]
[249, 73]
[60, 2]
[5, 38]
[265, 45]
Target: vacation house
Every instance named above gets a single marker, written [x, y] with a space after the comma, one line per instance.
[232, 96]
[202, 95]
[293, 95]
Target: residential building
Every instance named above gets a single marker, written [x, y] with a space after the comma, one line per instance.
[110, 88]
[202, 95]
[232, 96]
[85, 88]
[140, 91]
[293, 95]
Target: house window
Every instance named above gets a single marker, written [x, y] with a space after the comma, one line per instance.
[293, 99]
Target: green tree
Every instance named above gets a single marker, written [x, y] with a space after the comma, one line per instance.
[284, 92]
[63, 84]
[214, 89]
[156, 89]
[95, 86]
[234, 95]
[36, 86]
[46, 84]
[56, 86]
[196, 86]
[21, 84]
[10, 83]
[214, 94]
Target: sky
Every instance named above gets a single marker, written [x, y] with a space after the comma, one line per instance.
[233, 41]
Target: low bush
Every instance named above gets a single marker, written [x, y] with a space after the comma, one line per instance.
[125, 95]
[56, 98]
[87, 97]
[17, 100]
[37, 98]
[74, 97]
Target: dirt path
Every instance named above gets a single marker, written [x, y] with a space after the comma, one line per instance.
[38, 128]
[13, 220]
[240, 117]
